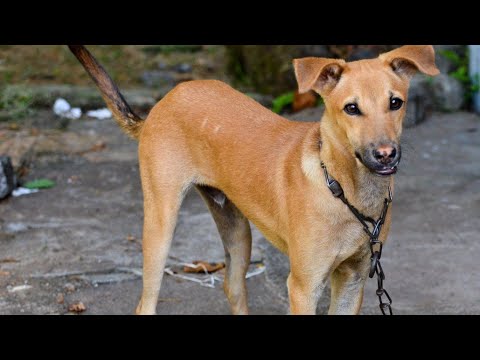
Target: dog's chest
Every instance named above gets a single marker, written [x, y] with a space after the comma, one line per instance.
[347, 232]
[371, 194]
[344, 231]
[348, 239]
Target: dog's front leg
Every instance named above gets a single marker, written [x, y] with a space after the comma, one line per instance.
[347, 283]
[306, 283]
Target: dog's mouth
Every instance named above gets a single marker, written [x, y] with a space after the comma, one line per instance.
[381, 171]
[386, 171]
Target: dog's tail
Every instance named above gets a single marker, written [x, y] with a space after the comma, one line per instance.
[130, 122]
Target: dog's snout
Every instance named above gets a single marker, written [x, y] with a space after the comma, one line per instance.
[382, 159]
[385, 154]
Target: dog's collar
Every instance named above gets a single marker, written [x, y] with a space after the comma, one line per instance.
[375, 266]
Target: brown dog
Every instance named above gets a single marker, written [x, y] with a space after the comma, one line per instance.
[251, 164]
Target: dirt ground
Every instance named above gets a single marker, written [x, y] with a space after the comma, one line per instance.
[80, 241]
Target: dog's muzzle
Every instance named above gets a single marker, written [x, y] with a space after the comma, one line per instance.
[383, 160]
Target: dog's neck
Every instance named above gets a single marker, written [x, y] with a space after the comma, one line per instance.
[363, 188]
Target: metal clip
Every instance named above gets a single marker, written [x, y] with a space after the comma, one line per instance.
[335, 188]
[373, 263]
[333, 185]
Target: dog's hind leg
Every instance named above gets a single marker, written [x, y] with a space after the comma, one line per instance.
[163, 192]
[236, 236]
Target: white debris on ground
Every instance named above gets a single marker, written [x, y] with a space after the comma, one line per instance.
[100, 114]
[208, 280]
[23, 191]
[62, 108]
[14, 289]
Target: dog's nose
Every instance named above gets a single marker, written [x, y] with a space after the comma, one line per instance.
[385, 154]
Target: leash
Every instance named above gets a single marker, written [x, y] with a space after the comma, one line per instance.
[375, 266]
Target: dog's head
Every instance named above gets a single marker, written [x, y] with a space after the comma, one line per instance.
[366, 99]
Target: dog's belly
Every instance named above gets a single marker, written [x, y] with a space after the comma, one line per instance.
[272, 236]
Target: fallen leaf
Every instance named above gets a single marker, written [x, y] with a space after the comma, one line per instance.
[77, 307]
[60, 298]
[4, 273]
[34, 132]
[202, 266]
[131, 238]
[9, 260]
[13, 126]
[303, 101]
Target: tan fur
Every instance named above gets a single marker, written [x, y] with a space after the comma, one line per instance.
[204, 133]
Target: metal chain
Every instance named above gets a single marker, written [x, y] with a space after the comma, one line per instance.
[375, 265]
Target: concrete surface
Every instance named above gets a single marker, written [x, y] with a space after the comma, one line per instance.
[80, 240]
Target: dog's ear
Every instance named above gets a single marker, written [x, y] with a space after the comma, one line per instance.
[407, 60]
[319, 74]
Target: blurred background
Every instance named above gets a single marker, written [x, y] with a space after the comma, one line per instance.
[71, 200]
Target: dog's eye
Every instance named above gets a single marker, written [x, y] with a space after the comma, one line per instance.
[395, 103]
[352, 109]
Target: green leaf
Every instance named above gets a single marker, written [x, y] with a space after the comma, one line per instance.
[452, 56]
[282, 101]
[39, 184]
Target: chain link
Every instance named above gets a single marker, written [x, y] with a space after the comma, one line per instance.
[385, 301]
[376, 246]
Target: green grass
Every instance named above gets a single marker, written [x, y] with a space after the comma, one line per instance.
[15, 103]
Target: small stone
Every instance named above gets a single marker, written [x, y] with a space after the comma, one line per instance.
[60, 298]
[183, 68]
[69, 287]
